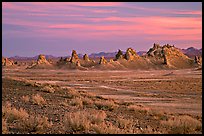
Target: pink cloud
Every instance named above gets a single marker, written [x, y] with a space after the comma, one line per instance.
[93, 4]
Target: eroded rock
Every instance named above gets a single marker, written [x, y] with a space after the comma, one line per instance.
[102, 60]
[86, 57]
[74, 58]
[42, 60]
[130, 54]
[7, 62]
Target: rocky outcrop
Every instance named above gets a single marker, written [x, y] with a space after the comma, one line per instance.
[156, 51]
[130, 54]
[42, 60]
[198, 60]
[78, 63]
[119, 55]
[165, 60]
[102, 60]
[7, 62]
[41, 63]
[86, 57]
[74, 58]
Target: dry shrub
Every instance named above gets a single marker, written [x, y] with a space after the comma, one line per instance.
[94, 121]
[87, 102]
[77, 102]
[25, 98]
[48, 89]
[182, 124]
[88, 94]
[34, 124]
[97, 117]
[4, 127]
[64, 103]
[72, 93]
[83, 121]
[77, 121]
[139, 108]
[126, 124]
[24, 123]
[37, 99]
[105, 105]
[31, 83]
[12, 114]
[104, 128]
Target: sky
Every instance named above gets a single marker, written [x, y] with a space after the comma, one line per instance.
[57, 28]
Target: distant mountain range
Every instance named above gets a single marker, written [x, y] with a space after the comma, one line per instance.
[190, 52]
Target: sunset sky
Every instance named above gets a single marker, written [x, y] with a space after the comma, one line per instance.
[56, 28]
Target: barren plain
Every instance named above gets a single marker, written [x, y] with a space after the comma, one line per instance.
[153, 101]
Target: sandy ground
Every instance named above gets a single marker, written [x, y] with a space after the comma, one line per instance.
[173, 91]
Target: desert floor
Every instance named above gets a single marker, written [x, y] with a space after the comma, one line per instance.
[162, 94]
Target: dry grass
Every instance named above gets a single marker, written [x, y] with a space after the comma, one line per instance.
[97, 116]
[72, 93]
[48, 89]
[25, 98]
[34, 124]
[64, 103]
[140, 108]
[12, 114]
[37, 99]
[182, 124]
[104, 128]
[87, 102]
[21, 121]
[4, 126]
[92, 121]
[105, 105]
[77, 102]
[77, 121]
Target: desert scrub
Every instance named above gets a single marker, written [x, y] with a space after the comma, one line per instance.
[97, 116]
[77, 102]
[25, 98]
[104, 128]
[87, 94]
[86, 121]
[4, 126]
[127, 124]
[22, 122]
[72, 93]
[37, 99]
[32, 83]
[47, 88]
[139, 108]
[105, 105]
[182, 125]
[87, 102]
[64, 103]
[34, 124]
[76, 121]
[12, 114]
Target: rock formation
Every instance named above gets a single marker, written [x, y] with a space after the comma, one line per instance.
[165, 60]
[156, 51]
[198, 60]
[111, 60]
[86, 57]
[130, 54]
[102, 60]
[42, 60]
[74, 58]
[119, 55]
[7, 62]
[78, 63]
